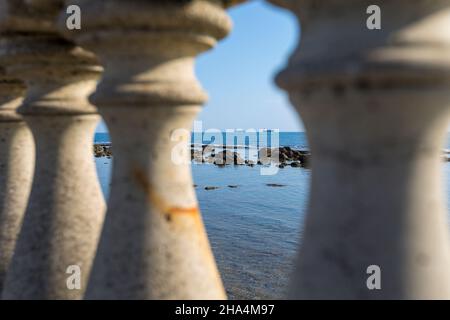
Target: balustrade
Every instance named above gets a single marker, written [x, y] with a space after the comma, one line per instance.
[16, 167]
[65, 210]
[376, 107]
[153, 244]
[375, 104]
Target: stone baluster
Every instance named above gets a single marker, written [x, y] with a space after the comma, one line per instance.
[65, 211]
[376, 107]
[153, 244]
[16, 167]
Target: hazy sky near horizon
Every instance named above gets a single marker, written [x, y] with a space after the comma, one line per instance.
[238, 74]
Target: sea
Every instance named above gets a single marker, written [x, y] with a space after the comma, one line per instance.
[254, 229]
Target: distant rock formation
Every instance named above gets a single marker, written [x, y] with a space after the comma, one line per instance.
[282, 156]
[102, 150]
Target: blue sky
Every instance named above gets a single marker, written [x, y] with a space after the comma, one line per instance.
[238, 74]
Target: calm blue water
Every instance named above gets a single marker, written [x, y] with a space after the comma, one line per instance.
[253, 229]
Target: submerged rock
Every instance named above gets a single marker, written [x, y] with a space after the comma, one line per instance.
[275, 185]
[250, 163]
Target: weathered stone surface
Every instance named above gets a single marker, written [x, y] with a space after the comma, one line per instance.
[65, 211]
[16, 168]
[153, 244]
[371, 106]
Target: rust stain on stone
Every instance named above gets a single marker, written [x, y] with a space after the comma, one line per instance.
[141, 178]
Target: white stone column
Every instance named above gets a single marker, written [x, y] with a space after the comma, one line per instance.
[153, 244]
[376, 107]
[16, 167]
[65, 211]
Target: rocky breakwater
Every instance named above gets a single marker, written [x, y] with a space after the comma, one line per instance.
[223, 155]
[284, 156]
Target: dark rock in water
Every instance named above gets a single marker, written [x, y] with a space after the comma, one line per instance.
[296, 164]
[305, 160]
[281, 166]
[107, 151]
[295, 155]
[275, 185]
[284, 157]
[98, 151]
[232, 186]
[102, 150]
[211, 188]
[289, 152]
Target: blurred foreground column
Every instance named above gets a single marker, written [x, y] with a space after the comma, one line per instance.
[153, 244]
[376, 107]
[62, 223]
[16, 167]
